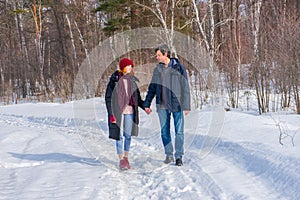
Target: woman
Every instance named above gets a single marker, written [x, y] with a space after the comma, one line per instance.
[122, 98]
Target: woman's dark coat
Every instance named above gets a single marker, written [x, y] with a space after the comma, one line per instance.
[112, 106]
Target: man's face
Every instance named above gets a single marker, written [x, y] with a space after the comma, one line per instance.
[161, 57]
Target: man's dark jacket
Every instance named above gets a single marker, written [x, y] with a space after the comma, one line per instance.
[178, 90]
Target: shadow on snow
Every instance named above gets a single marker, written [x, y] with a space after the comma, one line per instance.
[56, 157]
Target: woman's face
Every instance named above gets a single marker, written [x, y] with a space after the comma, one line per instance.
[127, 69]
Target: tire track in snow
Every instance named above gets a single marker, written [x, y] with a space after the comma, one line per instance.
[259, 166]
[204, 179]
[234, 181]
[273, 169]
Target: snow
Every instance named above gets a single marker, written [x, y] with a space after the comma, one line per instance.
[62, 151]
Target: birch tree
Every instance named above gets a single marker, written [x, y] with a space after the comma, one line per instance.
[236, 50]
[164, 11]
[260, 69]
[206, 28]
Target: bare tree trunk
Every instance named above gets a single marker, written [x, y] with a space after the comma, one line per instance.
[72, 39]
[200, 25]
[213, 68]
[40, 45]
[296, 86]
[22, 75]
[239, 54]
[232, 54]
[259, 68]
[2, 93]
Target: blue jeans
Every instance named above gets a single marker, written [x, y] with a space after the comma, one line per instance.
[164, 119]
[125, 135]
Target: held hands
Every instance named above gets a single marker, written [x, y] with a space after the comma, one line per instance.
[148, 111]
[186, 112]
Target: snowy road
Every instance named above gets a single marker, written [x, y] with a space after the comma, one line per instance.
[45, 156]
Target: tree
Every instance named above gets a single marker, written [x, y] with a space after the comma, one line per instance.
[260, 69]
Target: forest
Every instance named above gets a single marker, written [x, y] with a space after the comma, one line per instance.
[253, 44]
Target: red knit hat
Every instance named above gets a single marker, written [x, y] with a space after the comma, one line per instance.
[125, 62]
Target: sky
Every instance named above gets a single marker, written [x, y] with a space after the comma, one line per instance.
[62, 151]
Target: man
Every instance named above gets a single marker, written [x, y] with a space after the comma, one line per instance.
[170, 85]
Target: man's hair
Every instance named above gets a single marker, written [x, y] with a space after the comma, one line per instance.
[164, 49]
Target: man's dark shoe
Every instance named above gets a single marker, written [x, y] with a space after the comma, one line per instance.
[179, 162]
[169, 159]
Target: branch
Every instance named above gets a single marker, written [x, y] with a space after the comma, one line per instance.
[284, 131]
[147, 7]
[186, 24]
[221, 23]
[200, 24]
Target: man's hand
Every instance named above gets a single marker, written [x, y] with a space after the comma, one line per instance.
[148, 111]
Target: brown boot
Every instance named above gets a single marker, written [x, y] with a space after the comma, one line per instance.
[127, 162]
[123, 164]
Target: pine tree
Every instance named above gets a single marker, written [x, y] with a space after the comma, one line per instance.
[118, 14]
